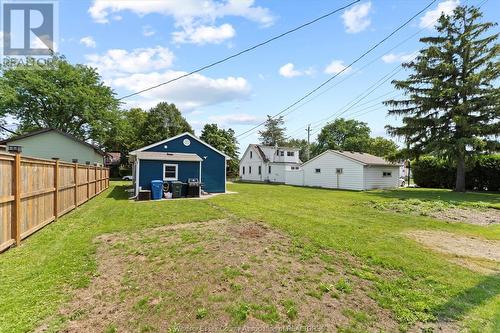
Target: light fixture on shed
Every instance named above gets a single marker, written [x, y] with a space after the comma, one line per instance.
[15, 149]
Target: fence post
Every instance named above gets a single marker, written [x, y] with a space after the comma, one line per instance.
[88, 182]
[16, 225]
[76, 184]
[56, 189]
[95, 180]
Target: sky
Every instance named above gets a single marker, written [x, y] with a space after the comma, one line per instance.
[136, 44]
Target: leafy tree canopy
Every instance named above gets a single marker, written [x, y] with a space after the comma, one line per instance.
[60, 95]
[452, 99]
[225, 141]
[343, 134]
[162, 122]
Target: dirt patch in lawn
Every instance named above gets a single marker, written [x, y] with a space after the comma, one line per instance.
[223, 276]
[468, 215]
[474, 253]
[449, 212]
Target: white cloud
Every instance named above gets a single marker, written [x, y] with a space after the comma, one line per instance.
[183, 11]
[235, 119]
[336, 66]
[356, 18]
[148, 31]
[191, 16]
[398, 57]
[189, 93]
[88, 41]
[289, 71]
[117, 62]
[204, 34]
[430, 17]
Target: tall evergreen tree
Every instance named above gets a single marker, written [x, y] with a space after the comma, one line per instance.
[274, 132]
[452, 104]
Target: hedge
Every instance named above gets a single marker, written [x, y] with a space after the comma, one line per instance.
[482, 174]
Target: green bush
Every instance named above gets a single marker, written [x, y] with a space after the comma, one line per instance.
[432, 172]
[482, 174]
[485, 173]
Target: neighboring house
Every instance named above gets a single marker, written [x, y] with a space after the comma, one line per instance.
[112, 158]
[178, 159]
[268, 164]
[346, 170]
[51, 143]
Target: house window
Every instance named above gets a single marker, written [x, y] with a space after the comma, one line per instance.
[295, 168]
[269, 169]
[386, 174]
[243, 170]
[249, 169]
[170, 171]
[317, 170]
[339, 171]
[251, 154]
[282, 153]
[260, 170]
[290, 153]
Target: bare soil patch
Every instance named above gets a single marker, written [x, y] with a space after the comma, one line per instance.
[471, 252]
[449, 212]
[223, 276]
[486, 216]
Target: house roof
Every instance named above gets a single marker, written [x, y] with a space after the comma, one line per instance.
[162, 156]
[261, 152]
[263, 155]
[280, 147]
[176, 137]
[45, 130]
[362, 158]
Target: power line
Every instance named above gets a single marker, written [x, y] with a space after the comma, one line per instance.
[343, 70]
[353, 114]
[243, 51]
[7, 130]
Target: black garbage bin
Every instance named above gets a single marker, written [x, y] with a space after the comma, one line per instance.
[176, 187]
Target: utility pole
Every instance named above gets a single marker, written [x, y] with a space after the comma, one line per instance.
[308, 141]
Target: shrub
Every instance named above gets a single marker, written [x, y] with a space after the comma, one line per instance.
[485, 173]
[430, 171]
[482, 174]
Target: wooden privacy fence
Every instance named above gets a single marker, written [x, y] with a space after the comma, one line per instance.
[35, 192]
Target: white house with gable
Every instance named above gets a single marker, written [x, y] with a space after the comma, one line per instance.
[346, 170]
[268, 164]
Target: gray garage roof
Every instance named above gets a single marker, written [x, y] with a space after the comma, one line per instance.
[364, 158]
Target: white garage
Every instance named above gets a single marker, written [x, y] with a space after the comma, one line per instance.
[346, 170]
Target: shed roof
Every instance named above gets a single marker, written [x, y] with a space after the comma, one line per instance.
[162, 156]
[178, 136]
[362, 158]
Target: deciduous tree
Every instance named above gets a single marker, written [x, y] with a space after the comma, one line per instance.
[71, 98]
[225, 141]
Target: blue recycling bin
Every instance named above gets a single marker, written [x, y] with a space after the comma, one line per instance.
[156, 189]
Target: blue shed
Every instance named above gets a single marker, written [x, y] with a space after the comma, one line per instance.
[177, 159]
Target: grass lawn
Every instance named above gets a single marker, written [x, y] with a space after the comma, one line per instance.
[337, 246]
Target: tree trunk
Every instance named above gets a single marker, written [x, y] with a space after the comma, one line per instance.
[460, 180]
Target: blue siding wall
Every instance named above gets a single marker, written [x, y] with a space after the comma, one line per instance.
[153, 170]
[213, 169]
